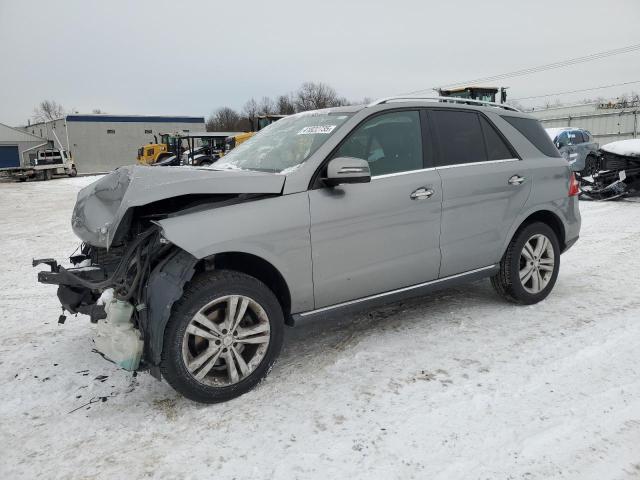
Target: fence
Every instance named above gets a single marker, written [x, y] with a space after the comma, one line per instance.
[606, 127]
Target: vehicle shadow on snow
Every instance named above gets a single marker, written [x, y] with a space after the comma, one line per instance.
[322, 335]
[309, 346]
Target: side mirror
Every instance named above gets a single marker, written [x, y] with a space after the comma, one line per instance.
[347, 170]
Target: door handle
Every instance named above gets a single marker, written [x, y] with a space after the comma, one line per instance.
[421, 193]
[517, 180]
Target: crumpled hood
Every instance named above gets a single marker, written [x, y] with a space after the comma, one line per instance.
[101, 206]
[625, 148]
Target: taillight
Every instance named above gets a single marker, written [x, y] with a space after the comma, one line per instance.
[574, 186]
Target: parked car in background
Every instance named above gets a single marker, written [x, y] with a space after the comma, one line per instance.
[576, 145]
[193, 272]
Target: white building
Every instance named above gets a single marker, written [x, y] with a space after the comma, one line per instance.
[100, 143]
[18, 147]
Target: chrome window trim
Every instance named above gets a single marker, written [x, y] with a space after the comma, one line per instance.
[477, 163]
[397, 174]
[392, 292]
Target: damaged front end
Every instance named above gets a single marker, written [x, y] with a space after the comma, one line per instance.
[616, 173]
[126, 276]
[111, 287]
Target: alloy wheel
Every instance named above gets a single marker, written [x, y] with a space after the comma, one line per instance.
[226, 340]
[537, 263]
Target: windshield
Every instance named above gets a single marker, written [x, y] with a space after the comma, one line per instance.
[284, 144]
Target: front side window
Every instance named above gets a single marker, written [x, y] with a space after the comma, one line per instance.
[284, 144]
[460, 137]
[576, 137]
[391, 143]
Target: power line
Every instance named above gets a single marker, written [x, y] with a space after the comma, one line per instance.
[539, 68]
[578, 91]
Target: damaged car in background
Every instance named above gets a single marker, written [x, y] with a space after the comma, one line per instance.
[193, 272]
[616, 173]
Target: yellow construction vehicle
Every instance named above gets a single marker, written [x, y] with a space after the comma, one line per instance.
[257, 124]
[484, 94]
[154, 152]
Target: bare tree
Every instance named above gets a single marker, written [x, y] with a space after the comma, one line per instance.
[286, 104]
[312, 95]
[250, 109]
[224, 119]
[266, 106]
[48, 110]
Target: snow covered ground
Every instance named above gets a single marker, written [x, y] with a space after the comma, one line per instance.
[457, 385]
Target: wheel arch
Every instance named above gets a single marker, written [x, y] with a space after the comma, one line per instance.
[167, 282]
[547, 217]
[259, 268]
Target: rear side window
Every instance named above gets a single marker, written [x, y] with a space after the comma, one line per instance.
[460, 137]
[497, 149]
[533, 131]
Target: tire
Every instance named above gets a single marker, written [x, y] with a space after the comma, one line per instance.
[45, 175]
[23, 179]
[208, 298]
[533, 289]
[73, 172]
[590, 166]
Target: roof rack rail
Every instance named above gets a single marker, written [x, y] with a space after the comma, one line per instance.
[443, 99]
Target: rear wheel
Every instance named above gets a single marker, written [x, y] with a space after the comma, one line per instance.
[73, 172]
[224, 335]
[529, 267]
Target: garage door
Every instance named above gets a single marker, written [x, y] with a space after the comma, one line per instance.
[9, 156]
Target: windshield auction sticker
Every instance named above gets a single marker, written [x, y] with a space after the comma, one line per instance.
[322, 129]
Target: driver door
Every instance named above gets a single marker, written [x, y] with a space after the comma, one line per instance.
[377, 237]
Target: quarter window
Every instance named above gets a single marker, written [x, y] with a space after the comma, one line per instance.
[391, 143]
[460, 137]
[533, 131]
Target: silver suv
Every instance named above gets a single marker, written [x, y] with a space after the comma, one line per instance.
[192, 273]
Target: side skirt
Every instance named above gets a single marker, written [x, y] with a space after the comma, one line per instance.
[379, 299]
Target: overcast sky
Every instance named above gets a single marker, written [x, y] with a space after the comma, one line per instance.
[190, 57]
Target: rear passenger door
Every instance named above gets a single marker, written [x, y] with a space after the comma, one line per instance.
[484, 187]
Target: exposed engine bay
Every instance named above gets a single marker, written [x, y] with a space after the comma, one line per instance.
[617, 172]
[125, 276]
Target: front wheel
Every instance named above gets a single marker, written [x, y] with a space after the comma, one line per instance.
[529, 267]
[223, 336]
[590, 166]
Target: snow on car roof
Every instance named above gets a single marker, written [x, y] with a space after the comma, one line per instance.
[626, 148]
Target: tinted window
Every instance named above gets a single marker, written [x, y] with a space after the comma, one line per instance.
[576, 137]
[460, 137]
[390, 143]
[563, 139]
[497, 149]
[533, 131]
